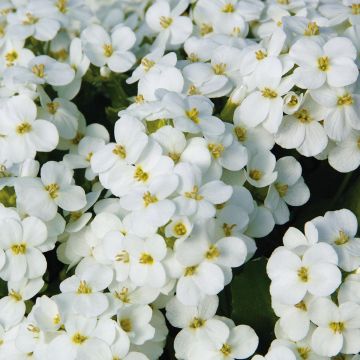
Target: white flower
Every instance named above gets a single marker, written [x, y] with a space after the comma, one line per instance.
[24, 133]
[338, 327]
[168, 23]
[293, 276]
[82, 291]
[332, 63]
[277, 353]
[339, 228]
[111, 50]
[41, 197]
[260, 169]
[20, 241]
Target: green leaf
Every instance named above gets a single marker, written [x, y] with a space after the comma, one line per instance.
[251, 301]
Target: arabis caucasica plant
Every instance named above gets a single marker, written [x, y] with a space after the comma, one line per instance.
[179, 179]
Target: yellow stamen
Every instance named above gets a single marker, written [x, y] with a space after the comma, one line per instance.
[62, 6]
[311, 29]
[19, 249]
[193, 115]
[39, 70]
[323, 63]
[140, 174]
[269, 93]
[147, 64]
[282, 189]
[123, 295]
[342, 239]
[53, 190]
[219, 69]
[355, 9]
[11, 56]
[260, 55]
[180, 229]
[228, 229]
[107, 50]
[345, 99]
[126, 325]
[228, 8]
[255, 174]
[241, 133]
[194, 194]
[23, 128]
[165, 21]
[84, 288]
[303, 116]
[197, 323]
[303, 274]
[120, 151]
[78, 339]
[123, 256]
[212, 253]
[52, 107]
[301, 305]
[146, 259]
[337, 327]
[30, 19]
[226, 349]
[216, 150]
[15, 295]
[149, 199]
[190, 270]
[304, 352]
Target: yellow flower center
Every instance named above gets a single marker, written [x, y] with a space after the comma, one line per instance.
[123, 295]
[120, 151]
[194, 194]
[212, 253]
[219, 69]
[19, 249]
[53, 190]
[193, 115]
[311, 29]
[62, 5]
[282, 189]
[337, 327]
[355, 9]
[206, 29]
[140, 174]
[260, 55]
[228, 8]
[84, 288]
[139, 99]
[32, 328]
[107, 50]
[283, 2]
[30, 19]
[78, 339]
[269, 93]
[228, 229]
[15, 295]
[193, 90]
[146, 259]
[123, 256]
[11, 56]
[149, 199]
[303, 116]
[165, 21]
[345, 99]
[323, 63]
[147, 64]
[180, 229]
[190, 270]
[226, 349]
[301, 305]
[126, 325]
[241, 133]
[216, 150]
[303, 274]
[77, 138]
[193, 58]
[52, 107]
[304, 352]
[342, 239]
[197, 323]
[39, 70]
[255, 174]
[23, 128]
[293, 101]
[174, 156]
[57, 319]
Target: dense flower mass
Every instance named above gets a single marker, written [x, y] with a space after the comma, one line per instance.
[146, 147]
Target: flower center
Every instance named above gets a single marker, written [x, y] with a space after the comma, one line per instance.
[197, 323]
[228, 8]
[346, 99]
[194, 194]
[141, 175]
[303, 274]
[77, 138]
[256, 174]
[30, 19]
[57, 319]
[39, 70]
[62, 5]
[219, 69]
[355, 9]
[342, 239]
[146, 259]
[52, 107]
[303, 116]
[180, 229]
[226, 349]
[11, 56]
[149, 199]
[301, 305]
[193, 115]
[216, 150]
[78, 339]
[23, 128]
[123, 295]
[19, 249]
[89, 156]
[228, 229]
[323, 63]
[174, 156]
[165, 21]
[241, 133]
[260, 55]
[126, 325]
[147, 64]
[283, 2]
[123, 256]
[311, 29]
[293, 101]
[212, 253]
[269, 93]
[53, 190]
[206, 29]
[193, 90]
[337, 327]
[190, 270]
[107, 50]
[15, 295]
[84, 288]
[304, 352]
[282, 189]
[120, 151]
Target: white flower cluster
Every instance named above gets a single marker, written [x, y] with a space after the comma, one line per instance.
[177, 193]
